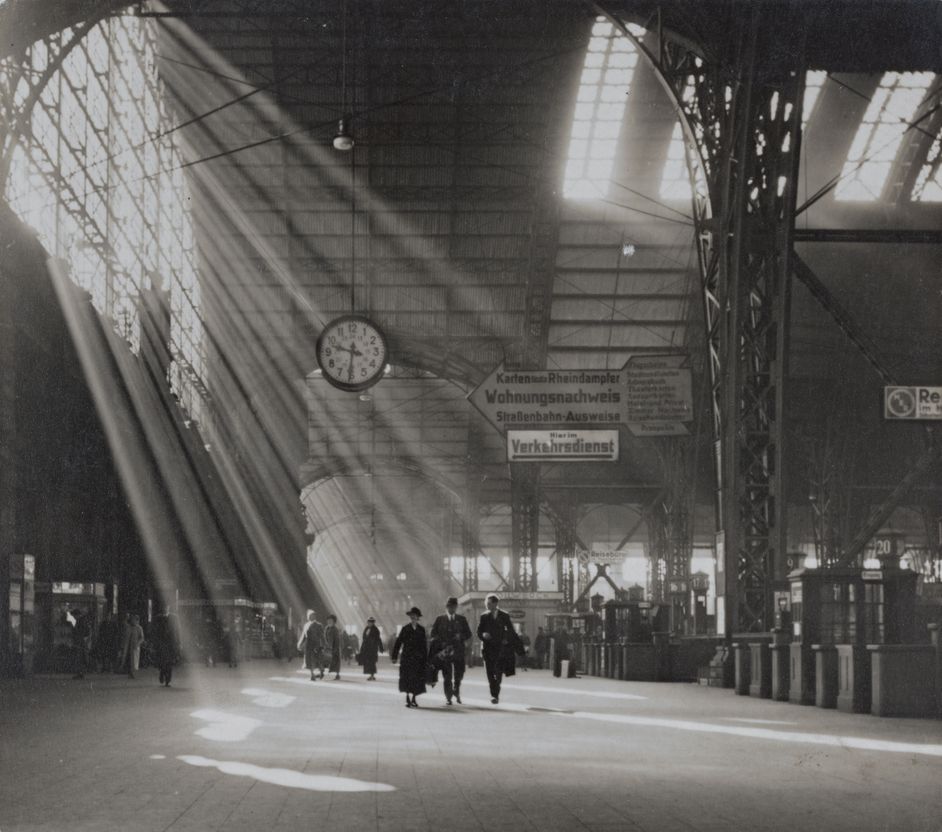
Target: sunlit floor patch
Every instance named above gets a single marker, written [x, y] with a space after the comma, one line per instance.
[288, 778]
[859, 743]
[757, 721]
[268, 699]
[432, 702]
[224, 727]
[158, 757]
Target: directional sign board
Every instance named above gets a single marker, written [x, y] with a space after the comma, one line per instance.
[912, 402]
[650, 395]
[562, 445]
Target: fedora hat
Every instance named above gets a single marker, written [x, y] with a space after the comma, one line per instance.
[371, 620]
[415, 611]
[451, 602]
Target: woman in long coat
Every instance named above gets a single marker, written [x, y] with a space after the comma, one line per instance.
[311, 644]
[411, 646]
[370, 648]
[332, 642]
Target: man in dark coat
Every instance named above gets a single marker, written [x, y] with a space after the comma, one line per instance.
[447, 648]
[541, 647]
[413, 648]
[370, 649]
[165, 641]
[500, 644]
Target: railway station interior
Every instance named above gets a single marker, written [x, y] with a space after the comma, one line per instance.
[626, 312]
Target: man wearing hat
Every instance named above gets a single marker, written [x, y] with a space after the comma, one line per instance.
[501, 644]
[371, 645]
[447, 648]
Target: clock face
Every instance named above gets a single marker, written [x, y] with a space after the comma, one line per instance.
[352, 352]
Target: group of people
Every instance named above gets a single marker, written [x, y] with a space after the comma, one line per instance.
[422, 656]
[116, 646]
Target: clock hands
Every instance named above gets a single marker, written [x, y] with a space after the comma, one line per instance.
[354, 352]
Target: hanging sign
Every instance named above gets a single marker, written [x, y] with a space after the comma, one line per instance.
[562, 445]
[598, 556]
[651, 396]
[912, 402]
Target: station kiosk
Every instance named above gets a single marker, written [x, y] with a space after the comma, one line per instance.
[837, 616]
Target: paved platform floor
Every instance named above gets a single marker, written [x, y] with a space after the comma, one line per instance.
[263, 748]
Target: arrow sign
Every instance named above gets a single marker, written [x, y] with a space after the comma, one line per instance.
[651, 395]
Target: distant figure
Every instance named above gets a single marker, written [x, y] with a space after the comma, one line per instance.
[370, 649]
[135, 640]
[234, 643]
[81, 634]
[525, 641]
[500, 645]
[541, 648]
[412, 646]
[165, 643]
[105, 648]
[122, 642]
[351, 646]
[562, 642]
[332, 646]
[447, 648]
[311, 644]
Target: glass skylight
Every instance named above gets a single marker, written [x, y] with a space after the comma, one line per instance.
[600, 107]
[928, 187]
[102, 187]
[891, 110]
[814, 81]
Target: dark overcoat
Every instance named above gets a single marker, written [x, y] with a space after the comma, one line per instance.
[504, 644]
[370, 648]
[411, 648]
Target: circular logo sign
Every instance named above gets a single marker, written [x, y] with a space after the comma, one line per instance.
[900, 402]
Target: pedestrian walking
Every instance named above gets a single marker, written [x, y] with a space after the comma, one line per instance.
[165, 643]
[234, 645]
[541, 648]
[411, 651]
[449, 634]
[501, 645]
[311, 644]
[332, 646]
[370, 648]
[134, 643]
[525, 641]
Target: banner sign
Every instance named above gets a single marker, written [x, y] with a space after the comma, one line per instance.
[912, 402]
[597, 556]
[562, 445]
[650, 395]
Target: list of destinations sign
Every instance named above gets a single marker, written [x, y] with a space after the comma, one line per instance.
[912, 402]
[650, 396]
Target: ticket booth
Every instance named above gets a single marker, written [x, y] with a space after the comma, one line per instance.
[635, 621]
[699, 589]
[22, 624]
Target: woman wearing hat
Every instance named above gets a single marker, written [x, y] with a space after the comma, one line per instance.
[371, 645]
[412, 647]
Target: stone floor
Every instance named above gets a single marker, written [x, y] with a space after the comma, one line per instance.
[263, 748]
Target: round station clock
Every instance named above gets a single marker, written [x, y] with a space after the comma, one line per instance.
[352, 352]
